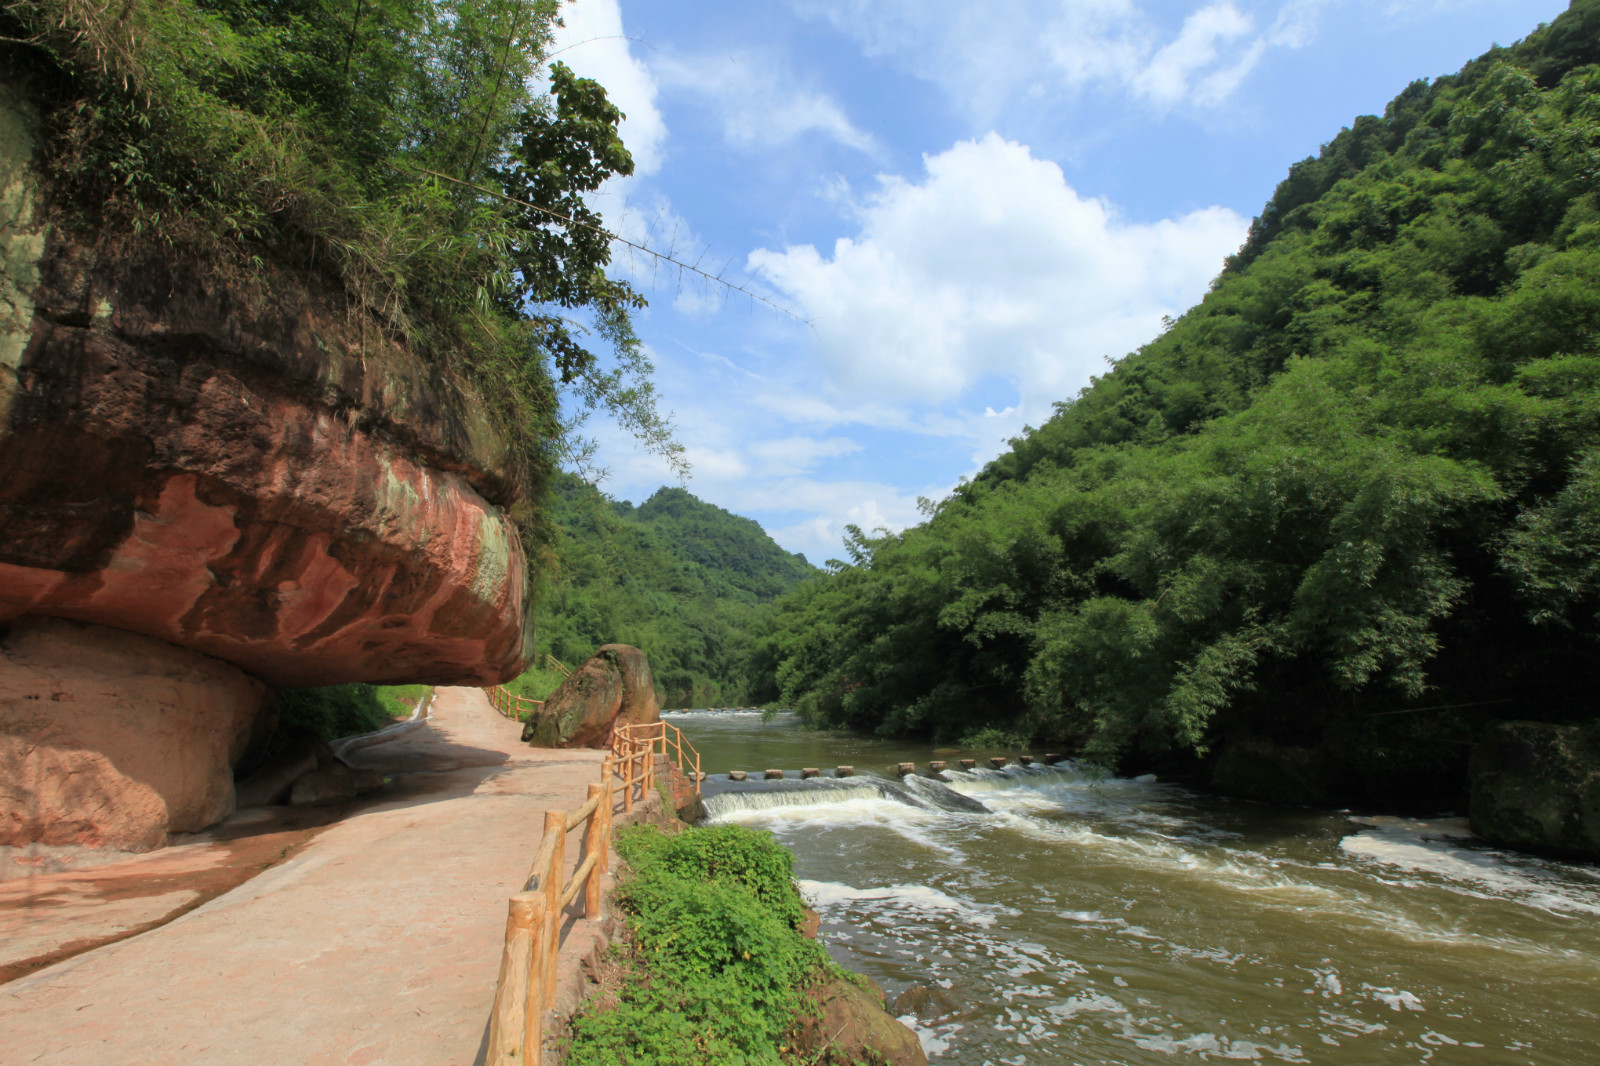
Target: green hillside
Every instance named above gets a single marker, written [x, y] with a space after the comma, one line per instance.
[680, 578]
[1348, 502]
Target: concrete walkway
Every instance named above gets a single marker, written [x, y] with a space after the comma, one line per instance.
[378, 941]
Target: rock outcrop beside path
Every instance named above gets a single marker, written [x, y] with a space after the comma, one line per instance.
[238, 468]
[109, 739]
[614, 686]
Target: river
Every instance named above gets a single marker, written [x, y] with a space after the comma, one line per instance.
[1065, 918]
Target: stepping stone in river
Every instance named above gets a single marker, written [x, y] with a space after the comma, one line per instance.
[936, 766]
[968, 764]
[997, 761]
[1025, 760]
[737, 775]
[844, 771]
[906, 768]
[773, 775]
[809, 771]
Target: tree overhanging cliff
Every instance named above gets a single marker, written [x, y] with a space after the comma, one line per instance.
[1346, 502]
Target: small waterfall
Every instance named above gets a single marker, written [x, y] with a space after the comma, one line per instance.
[814, 795]
[920, 792]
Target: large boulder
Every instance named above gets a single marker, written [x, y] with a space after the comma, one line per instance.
[846, 1023]
[110, 739]
[614, 686]
[334, 783]
[1259, 769]
[1537, 785]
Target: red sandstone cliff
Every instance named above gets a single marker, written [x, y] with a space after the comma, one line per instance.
[244, 472]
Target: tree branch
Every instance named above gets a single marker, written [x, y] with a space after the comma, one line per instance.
[647, 250]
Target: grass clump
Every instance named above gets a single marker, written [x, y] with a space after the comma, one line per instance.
[400, 700]
[536, 683]
[720, 969]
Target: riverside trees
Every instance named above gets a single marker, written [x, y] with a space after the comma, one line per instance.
[1356, 480]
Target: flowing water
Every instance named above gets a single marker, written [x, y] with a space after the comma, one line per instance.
[1062, 918]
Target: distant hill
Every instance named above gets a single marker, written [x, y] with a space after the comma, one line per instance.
[680, 578]
[730, 547]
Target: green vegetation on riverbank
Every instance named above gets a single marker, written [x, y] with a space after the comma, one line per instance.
[715, 965]
[1346, 503]
[681, 579]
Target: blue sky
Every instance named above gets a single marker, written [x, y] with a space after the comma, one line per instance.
[968, 206]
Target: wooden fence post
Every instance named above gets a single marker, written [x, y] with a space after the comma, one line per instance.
[533, 1010]
[554, 822]
[608, 768]
[593, 844]
[510, 1024]
[627, 780]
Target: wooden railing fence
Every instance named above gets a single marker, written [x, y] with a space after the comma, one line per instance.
[510, 704]
[527, 984]
[643, 741]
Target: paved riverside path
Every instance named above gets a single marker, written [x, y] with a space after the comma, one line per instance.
[378, 942]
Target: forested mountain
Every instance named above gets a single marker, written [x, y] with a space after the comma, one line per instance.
[1349, 502]
[680, 578]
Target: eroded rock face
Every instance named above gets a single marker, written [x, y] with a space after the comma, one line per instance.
[242, 469]
[1537, 785]
[110, 739]
[205, 478]
[613, 686]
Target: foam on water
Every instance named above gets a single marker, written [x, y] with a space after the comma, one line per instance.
[928, 901]
[1443, 849]
[1163, 926]
[802, 810]
[736, 803]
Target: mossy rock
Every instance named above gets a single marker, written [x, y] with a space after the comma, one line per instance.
[613, 687]
[1536, 785]
[850, 1025]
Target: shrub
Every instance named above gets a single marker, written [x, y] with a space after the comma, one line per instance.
[712, 915]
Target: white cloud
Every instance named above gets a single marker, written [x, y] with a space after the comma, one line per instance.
[787, 456]
[760, 102]
[992, 265]
[592, 42]
[985, 55]
[831, 507]
[1189, 64]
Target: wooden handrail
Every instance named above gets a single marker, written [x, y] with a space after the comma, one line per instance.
[510, 704]
[580, 877]
[647, 740]
[527, 983]
[581, 815]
